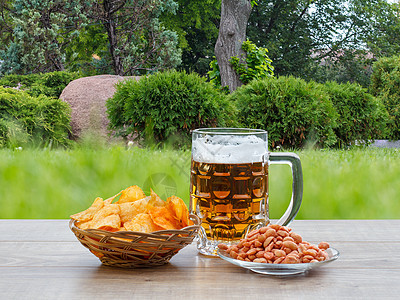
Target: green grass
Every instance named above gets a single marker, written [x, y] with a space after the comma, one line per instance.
[354, 184]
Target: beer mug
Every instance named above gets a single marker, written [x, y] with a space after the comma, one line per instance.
[229, 184]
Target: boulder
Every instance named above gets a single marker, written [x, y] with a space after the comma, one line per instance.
[87, 97]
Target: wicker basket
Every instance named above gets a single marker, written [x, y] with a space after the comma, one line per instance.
[132, 249]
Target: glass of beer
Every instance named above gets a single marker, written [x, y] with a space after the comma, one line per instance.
[229, 184]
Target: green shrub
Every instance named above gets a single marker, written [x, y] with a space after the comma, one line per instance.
[290, 109]
[362, 117]
[166, 105]
[26, 120]
[48, 84]
[23, 81]
[385, 83]
[52, 84]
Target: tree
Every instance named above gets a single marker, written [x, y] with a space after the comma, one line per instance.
[5, 22]
[196, 22]
[94, 34]
[303, 34]
[232, 33]
[40, 31]
[137, 41]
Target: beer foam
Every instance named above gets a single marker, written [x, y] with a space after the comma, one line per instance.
[231, 149]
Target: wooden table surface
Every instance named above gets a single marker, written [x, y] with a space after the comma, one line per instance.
[41, 259]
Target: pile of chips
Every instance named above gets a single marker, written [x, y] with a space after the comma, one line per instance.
[133, 211]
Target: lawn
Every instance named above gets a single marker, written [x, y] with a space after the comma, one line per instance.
[51, 184]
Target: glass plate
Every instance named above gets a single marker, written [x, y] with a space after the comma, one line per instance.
[280, 269]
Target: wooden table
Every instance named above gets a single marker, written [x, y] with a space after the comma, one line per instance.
[41, 259]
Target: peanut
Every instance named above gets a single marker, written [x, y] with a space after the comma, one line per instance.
[296, 237]
[223, 246]
[251, 257]
[254, 232]
[276, 244]
[260, 260]
[279, 260]
[290, 259]
[323, 245]
[275, 226]
[279, 253]
[257, 244]
[310, 252]
[268, 241]
[260, 254]
[282, 233]
[268, 255]
[251, 251]
[290, 245]
[288, 238]
[233, 254]
[244, 249]
[270, 232]
[262, 238]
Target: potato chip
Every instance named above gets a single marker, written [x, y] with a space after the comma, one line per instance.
[107, 210]
[155, 200]
[88, 214]
[129, 210]
[142, 222]
[84, 225]
[131, 194]
[163, 217]
[110, 223]
[179, 208]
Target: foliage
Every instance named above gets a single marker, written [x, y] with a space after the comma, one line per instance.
[214, 74]
[196, 23]
[88, 52]
[362, 117]
[258, 64]
[42, 30]
[26, 120]
[353, 66]
[385, 83]
[19, 81]
[301, 34]
[137, 40]
[10, 61]
[49, 84]
[166, 105]
[52, 84]
[294, 112]
[125, 37]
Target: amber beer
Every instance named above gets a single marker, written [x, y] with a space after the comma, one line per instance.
[230, 199]
[229, 184]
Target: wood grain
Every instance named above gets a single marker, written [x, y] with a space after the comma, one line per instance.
[41, 259]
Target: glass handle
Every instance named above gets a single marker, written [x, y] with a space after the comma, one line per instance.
[293, 161]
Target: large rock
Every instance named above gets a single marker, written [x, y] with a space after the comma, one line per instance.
[87, 97]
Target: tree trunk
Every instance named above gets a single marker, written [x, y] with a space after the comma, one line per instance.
[111, 28]
[232, 33]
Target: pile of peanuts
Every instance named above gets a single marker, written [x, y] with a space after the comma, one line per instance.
[278, 245]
